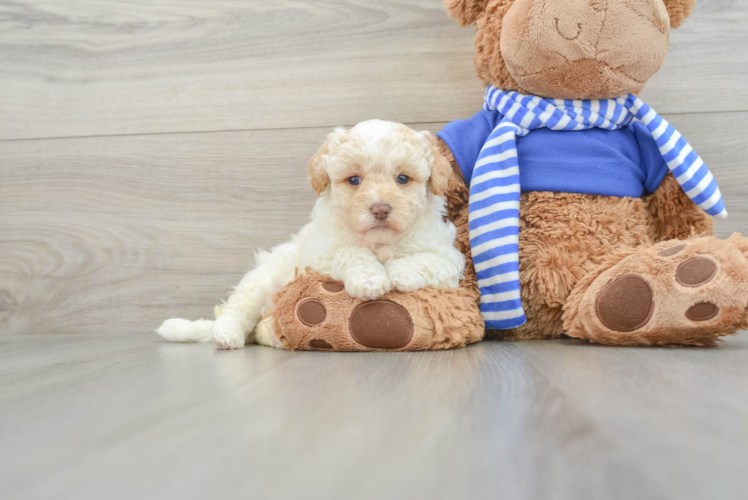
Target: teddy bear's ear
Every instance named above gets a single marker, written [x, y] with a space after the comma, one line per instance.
[679, 10]
[465, 12]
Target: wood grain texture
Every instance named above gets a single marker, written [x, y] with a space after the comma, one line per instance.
[102, 230]
[106, 67]
[129, 416]
[720, 139]
[117, 234]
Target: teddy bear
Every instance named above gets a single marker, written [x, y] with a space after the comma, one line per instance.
[580, 210]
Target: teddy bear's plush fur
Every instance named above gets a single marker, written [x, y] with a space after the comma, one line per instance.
[618, 271]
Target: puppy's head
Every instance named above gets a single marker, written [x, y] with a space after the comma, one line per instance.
[379, 178]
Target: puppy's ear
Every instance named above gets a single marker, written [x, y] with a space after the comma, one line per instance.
[679, 10]
[317, 173]
[465, 12]
[441, 169]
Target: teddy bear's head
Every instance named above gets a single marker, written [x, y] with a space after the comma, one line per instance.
[570, 49]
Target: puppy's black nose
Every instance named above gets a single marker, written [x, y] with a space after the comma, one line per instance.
[381, 210]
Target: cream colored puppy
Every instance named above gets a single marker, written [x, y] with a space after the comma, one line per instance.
[379, 224]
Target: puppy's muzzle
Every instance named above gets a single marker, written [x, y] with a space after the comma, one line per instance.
[381, 211]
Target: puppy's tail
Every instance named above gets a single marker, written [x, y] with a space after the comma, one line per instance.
[184, 330]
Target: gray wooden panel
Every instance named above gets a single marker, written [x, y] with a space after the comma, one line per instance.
[104, 67]
[129, 416]
[720, 139]
[707, 68]
[112, 67]
[117, 234]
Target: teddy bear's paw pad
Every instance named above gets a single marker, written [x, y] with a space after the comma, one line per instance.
[319, 344]
[669, 252]
[697, 271]
[311, 312]
[703, 311]
[626, 304]
[333, 286]
[381, 324]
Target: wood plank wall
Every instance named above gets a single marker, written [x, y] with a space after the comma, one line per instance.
[146, 148]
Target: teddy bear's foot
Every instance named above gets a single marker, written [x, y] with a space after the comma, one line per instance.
[674, 293]
[316, 313]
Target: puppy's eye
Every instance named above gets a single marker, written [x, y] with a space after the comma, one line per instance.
[354, 181]
[403, 179]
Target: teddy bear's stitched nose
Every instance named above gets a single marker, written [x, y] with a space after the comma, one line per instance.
[381, 210]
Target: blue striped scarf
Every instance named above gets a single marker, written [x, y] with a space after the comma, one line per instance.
[495, 186]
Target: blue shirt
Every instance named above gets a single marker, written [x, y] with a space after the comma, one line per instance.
[623, 162]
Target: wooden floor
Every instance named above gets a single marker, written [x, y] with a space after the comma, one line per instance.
[127, 416]
[147, 148]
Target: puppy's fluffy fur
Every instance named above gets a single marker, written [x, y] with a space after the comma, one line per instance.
[375, 236]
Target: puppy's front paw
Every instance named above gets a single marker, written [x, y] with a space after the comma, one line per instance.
[227, 333]
[403, 277]
[368, 286]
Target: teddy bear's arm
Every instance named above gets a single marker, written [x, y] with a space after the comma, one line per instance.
[673, 215]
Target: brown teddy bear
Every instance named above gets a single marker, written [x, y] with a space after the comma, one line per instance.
[611, 242]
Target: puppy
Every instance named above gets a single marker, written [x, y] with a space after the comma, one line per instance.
[379, 224]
